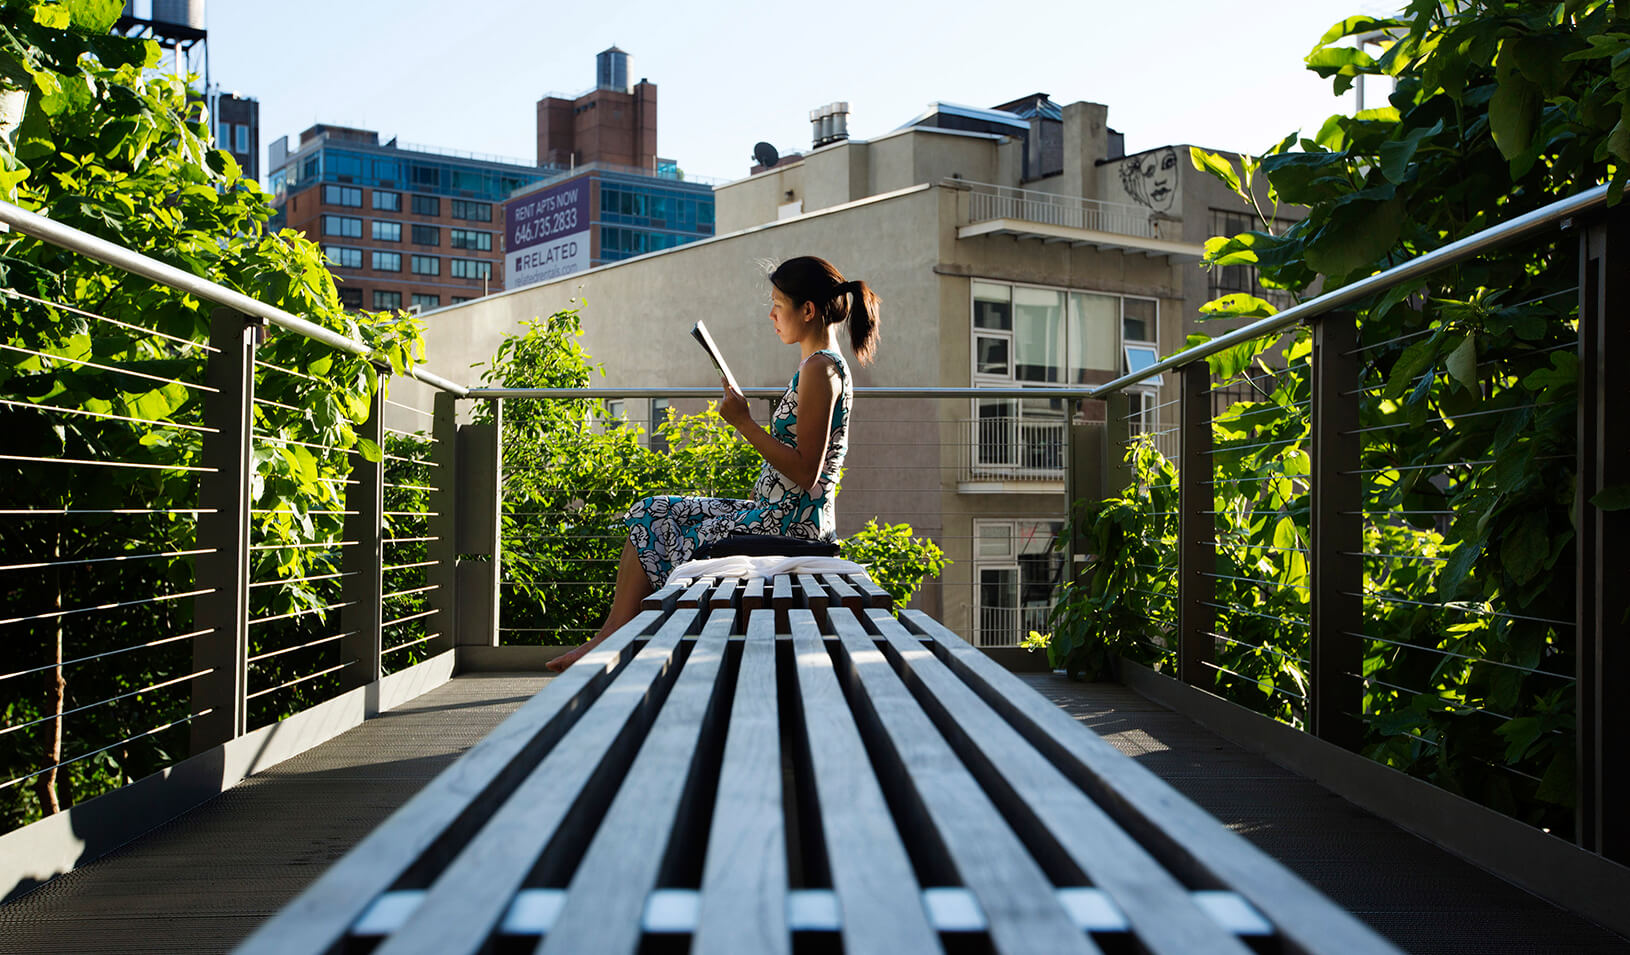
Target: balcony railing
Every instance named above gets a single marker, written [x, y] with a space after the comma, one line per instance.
[987, 201]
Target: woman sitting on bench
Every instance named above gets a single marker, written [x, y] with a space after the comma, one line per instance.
[803, 449]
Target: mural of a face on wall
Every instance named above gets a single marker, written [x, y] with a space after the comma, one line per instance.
[1151, 179]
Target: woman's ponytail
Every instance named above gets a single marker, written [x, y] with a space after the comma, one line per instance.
[811, 279]
[864, 333]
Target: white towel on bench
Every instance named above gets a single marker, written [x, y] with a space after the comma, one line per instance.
[768, 565]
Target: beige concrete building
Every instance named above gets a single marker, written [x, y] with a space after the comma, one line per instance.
[1013, 247]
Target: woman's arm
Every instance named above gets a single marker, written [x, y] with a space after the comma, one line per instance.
[817, 397]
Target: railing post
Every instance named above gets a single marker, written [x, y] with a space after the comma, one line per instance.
[363, 562]
[1083, 481]
[480, 483]
[1603, 600]
[1336, 537]
[443, 503]
[1115, 475]
[221, 615]
[1196, 527]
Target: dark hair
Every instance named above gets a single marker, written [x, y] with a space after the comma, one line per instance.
[811, 279]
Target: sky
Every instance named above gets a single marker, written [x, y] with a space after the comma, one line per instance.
[468, 75]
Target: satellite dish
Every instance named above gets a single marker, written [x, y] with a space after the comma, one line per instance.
[765, 155]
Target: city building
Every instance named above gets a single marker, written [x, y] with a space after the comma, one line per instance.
[237, 130]
[402, 226]
[1018, 246]
[616, 200]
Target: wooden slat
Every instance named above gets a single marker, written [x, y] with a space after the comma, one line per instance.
[875, 595]
[744, 882]
[725, 594]
[878, 893]
[752, 595]
[842, 593]
[320, 917]
[813, 596]
[470, 896]
[608, 892]
[1144, 803]
[696, 595]
[1159, 908]
[781, 599]
[1016, 896]
[663, 599]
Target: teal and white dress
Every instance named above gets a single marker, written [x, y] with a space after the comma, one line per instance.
[667, 530]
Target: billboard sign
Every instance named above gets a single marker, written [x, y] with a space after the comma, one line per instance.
[547, 234]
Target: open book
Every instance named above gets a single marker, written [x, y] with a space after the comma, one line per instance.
[699, 332]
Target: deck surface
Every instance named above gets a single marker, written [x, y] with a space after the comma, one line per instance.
[202, 882]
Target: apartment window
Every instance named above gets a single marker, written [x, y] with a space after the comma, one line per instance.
[426, 302]
[345, 258]
[387, 261]
[469, 239]
[426, 235]
[223, 139]
[351, 297]
[387, 231]
[242, 138]
[387, 201]
[659, 415]
[426, 265]
[384, 299]
[470, 269]
[1228, 279]
[472, 211]
[1018, 572]
[615, 415]
[349, 227]
[343, 196]
[460, 299]
[1138, 319]
[427, 206]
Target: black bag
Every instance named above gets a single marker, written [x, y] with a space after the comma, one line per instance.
[761, 545]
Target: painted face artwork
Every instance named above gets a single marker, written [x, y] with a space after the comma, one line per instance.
[1151, 179]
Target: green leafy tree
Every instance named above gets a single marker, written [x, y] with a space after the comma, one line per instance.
[1470, 390]
[103, 366]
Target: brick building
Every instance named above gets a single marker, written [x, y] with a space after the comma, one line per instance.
[611, 123]
[402, 226]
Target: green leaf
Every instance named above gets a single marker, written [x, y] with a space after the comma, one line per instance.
[1216, 165]
[1357, 235]
[52, 16]
[370, 450]
[1615, 497]
[1524, 550]
[94, 16]
[1462, 363]
[1397, 154]
[1237, 305]
[1514, 113]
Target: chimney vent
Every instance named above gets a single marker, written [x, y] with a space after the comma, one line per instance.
[830, 123]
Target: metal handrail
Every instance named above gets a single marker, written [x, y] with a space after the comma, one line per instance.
[67, 237]
[892, 391]
[1521, 227]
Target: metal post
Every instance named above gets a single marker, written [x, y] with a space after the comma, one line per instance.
[222, 614]
[443, 503]
[1603, 602]
[1116, 474]
[1336, 693]
[480, 492]
[363, 588]
[1196, 527]
[1083, 484]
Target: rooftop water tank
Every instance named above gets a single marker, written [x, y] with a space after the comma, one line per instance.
[610, 70]
[188, 13]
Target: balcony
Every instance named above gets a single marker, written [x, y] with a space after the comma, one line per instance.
[350, 702]
[1078, 221]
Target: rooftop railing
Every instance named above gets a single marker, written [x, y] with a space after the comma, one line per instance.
[987, 202]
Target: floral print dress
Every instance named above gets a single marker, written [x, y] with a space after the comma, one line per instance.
[667, 530]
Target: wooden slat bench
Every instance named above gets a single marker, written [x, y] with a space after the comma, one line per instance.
[726, 776]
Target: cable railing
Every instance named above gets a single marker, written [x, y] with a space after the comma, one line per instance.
[1316, 544]
[192, 533]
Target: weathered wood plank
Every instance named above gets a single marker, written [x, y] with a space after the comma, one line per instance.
[781, 599]
[1160, 817]
[744, 882]
[842, 593]
[697, 593]
[482, 778]
[1161, 912]
[876, 596]
[813, 596]
[880, 900]
[545, 814]
[752, 595]
[608, 892]
[1014, 892]
[725, 594]
[663, 599]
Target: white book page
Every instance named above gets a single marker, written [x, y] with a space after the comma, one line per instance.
[706, 341]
